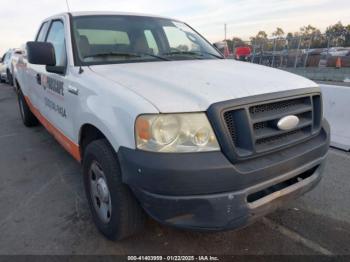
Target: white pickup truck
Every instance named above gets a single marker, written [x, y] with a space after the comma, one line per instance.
[164, 126]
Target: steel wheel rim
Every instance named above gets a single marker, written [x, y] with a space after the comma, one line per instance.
[99, 192]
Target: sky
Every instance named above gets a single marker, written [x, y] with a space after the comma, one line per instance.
[20, 19]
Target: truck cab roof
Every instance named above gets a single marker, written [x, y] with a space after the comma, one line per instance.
[107, 13]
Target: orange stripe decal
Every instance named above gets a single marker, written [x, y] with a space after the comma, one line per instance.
[67, 144]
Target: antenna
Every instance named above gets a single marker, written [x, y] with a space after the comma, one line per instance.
[67, 5]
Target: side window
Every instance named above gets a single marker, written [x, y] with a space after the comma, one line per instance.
[57, 38]
[7, 57]
[151, 41]
[41, 35]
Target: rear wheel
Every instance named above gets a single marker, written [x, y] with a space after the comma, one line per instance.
[27, 116]
[114, 209]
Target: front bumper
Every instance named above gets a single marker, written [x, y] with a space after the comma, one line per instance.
[205, 191]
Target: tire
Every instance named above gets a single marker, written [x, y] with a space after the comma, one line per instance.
[116, 213]
[28, 118]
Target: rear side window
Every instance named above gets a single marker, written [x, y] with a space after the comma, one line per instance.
[42, 33]
[56, 36]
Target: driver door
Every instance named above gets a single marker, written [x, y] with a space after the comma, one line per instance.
[57, 103]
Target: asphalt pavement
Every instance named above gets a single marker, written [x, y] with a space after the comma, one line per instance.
[43, 209]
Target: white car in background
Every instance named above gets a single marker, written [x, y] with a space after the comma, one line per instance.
[8, 64]
[17, 57]
[3, 75]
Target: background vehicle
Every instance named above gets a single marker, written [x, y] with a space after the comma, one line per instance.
[17, 55]
[3, 68]
[9, 64]
[163, 124]
[242, 53]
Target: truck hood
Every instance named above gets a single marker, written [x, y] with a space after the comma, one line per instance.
[188, 86]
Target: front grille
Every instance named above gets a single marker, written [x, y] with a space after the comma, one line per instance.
[279, 138]
[252, 128]
[278, 106]
[230, 125]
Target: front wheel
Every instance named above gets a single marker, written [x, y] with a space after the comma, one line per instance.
[114, 209]
[27, 116]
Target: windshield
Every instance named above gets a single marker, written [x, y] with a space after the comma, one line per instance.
[124, 39]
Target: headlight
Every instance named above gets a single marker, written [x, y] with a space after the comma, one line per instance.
[189, 132]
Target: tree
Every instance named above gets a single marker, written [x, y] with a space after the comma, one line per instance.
[235, 42]
[336, 30]
[312, 37]
[260, 40]
[261, 35]
[290, 35]
[337, 33]
[238, 41]
[309, 36]
[279, 42]
[279, 32]
[347, 36]
[309, 30]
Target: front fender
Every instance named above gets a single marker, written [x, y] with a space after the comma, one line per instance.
[111, 108]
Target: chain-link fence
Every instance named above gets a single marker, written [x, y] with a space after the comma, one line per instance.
[301, 51]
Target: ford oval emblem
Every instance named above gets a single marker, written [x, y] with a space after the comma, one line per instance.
[288, 123]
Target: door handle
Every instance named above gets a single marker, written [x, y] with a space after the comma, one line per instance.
[73, 90]
[38, 79]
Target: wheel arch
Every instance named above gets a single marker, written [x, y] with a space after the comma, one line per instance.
[87, 134]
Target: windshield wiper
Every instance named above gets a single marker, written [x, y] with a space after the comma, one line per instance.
[155, 56]
[112, 54]
[194, 53]
[125, 55]
[183, 53]
[217, 56]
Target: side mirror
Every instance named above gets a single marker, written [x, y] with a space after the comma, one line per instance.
[41, 53]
